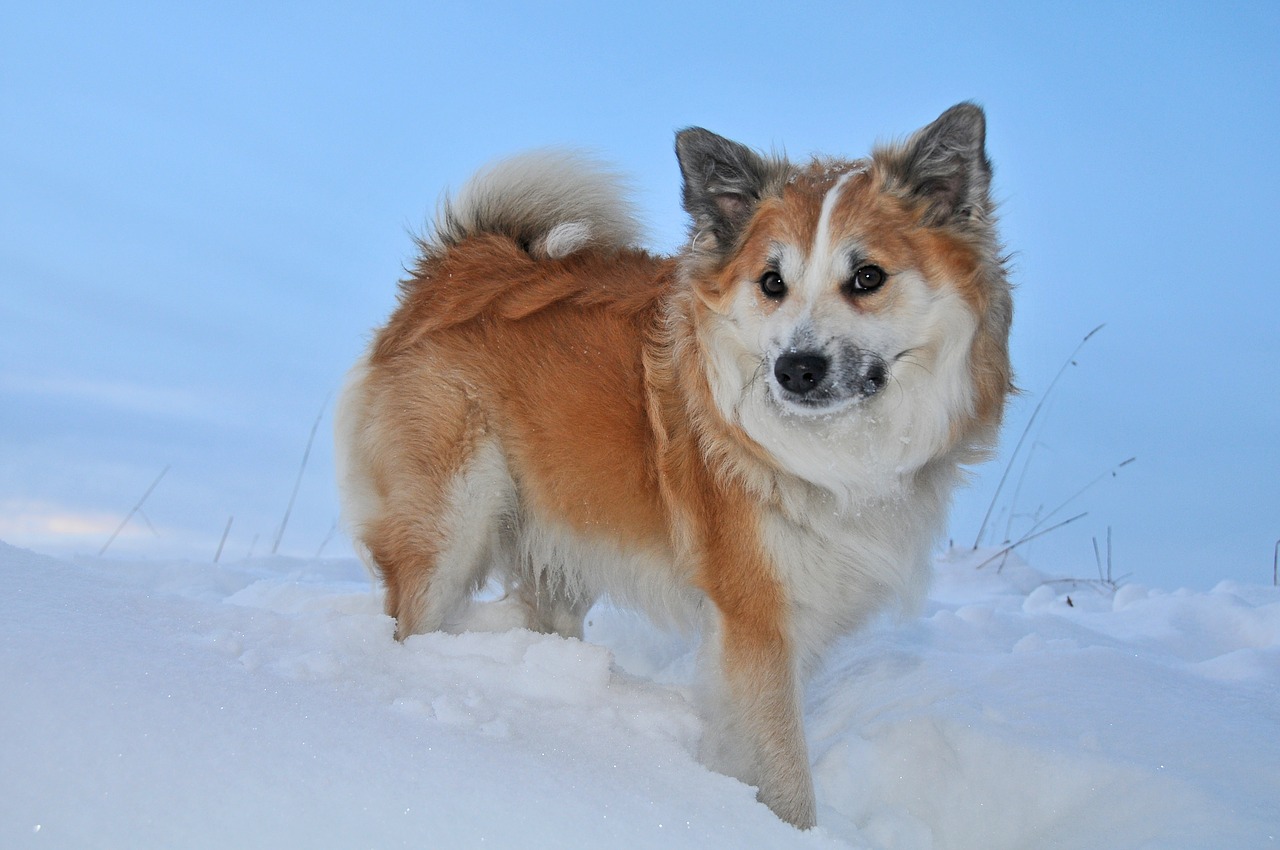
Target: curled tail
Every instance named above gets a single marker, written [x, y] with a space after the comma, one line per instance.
[552, 202]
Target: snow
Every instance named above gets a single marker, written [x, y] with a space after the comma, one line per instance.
[265, 704]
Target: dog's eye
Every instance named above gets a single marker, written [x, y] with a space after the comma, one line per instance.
[772, 285]
[867, 279]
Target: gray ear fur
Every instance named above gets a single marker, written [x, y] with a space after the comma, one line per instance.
[723, 182]
[945, 166]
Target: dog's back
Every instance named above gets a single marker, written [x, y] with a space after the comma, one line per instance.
[499, 419]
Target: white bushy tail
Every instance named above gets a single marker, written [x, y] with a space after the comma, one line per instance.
[552, 202]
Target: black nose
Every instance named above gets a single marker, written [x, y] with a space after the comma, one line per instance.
[800, 372]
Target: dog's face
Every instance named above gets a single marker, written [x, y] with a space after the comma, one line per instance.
[827, 294]
[850, 307]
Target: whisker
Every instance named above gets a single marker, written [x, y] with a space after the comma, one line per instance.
[755, 376]
[907, 356]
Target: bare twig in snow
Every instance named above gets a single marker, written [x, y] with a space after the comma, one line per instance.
[1070, 361]
[1017, 490]
[298, 481]
[1109, 554]
[146, 520]
[137, 507]
[1106, 581]
[333, 529]
[223, 541]
[1077, 494]
[1028, 538]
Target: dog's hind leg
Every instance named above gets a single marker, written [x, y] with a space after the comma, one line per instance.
[435, 547]
[552, 607]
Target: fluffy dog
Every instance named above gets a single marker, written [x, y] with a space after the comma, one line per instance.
[758, 436]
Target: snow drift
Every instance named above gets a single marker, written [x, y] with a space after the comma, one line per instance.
[265, 704]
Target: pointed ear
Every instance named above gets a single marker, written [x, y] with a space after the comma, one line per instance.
[945, 167]
[723, 183]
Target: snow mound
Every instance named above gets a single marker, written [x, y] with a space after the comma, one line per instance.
[265, 704]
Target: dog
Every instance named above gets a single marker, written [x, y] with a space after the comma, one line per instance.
[758, 437]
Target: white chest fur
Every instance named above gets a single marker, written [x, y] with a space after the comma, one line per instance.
[842, 563]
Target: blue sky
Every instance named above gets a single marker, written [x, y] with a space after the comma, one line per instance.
[203, 213]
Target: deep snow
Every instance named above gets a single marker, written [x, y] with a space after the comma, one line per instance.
[265, 704]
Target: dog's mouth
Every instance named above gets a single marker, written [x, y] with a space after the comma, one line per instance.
[810, 382]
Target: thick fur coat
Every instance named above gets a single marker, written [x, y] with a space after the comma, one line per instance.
[757, 437]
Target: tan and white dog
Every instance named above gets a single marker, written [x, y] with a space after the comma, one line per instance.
[758, 436]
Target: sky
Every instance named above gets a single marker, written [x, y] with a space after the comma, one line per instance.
[204, 213]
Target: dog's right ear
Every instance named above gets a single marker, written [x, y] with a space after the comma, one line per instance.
[723, 182]
[944, 167]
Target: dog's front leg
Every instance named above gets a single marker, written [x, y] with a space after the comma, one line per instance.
[752, 707]
[750, 690]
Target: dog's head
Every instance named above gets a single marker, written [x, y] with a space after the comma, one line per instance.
[854, 315]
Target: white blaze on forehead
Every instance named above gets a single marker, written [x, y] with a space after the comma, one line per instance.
[817, 270]
[822, 239]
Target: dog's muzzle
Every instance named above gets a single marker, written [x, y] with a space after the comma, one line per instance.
[809, 379]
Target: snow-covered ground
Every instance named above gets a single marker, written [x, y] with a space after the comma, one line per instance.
[265, 704]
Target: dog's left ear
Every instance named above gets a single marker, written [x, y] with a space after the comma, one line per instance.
[945, 166]
[723, 183]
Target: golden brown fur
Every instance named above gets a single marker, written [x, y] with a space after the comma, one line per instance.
[557, 408]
